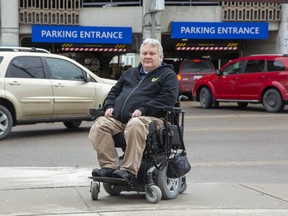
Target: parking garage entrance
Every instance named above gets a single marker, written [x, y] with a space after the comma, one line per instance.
[217, 41]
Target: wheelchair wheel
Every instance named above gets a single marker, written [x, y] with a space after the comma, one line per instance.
[170, 187]
[183, 183]
[153, 194]
[94, 190]
[113, 190]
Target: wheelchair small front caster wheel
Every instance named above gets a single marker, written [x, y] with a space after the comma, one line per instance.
[94, 189]
[153, 194]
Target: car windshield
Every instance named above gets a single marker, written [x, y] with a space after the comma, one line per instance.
[197, 66]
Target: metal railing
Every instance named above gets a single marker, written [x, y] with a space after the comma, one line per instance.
[116, 3]
[193, 3]
[109, 3]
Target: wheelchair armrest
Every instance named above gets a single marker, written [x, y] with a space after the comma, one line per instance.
[95, 113]
[173, 109]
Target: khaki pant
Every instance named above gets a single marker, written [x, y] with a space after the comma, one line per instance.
[135, 134]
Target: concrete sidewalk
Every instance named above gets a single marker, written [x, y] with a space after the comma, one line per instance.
[65, 191]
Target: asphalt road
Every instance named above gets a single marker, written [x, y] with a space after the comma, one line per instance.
[227, 144]
[238, 156]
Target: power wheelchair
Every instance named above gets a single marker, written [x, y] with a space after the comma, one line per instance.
[161, 146]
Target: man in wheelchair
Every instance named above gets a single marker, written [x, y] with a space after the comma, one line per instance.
[140, 96]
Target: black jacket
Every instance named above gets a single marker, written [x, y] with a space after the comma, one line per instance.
[157, 91]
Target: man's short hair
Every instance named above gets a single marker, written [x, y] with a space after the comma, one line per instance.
[154, 43]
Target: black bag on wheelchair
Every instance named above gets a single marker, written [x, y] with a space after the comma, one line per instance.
[178, 165]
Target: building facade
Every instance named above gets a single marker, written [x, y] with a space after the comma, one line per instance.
[172, 22]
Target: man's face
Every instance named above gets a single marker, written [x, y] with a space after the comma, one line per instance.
[150, 58]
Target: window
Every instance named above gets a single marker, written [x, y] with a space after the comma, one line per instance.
[61, 69]
[275, 65]
[26, 67]
[235, 68]
[255, 66]
[197, 66]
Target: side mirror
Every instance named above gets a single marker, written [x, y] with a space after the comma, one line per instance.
[218, 72]
[87, 77]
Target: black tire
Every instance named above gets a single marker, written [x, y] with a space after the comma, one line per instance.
[72, 124]
[272, 101]
[216, 104]
[205, 98]
[170, 187]
[242, 104]
[113, 190]
[6, 122]
[183, 184]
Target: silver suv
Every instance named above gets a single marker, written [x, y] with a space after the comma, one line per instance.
[37, 87]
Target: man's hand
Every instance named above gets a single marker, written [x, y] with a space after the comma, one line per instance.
[136, 113]
[109, 112]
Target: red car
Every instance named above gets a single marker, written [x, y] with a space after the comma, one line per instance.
[252, 79]
[191, 70]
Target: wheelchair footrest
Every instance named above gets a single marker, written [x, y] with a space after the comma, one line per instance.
[111, 180]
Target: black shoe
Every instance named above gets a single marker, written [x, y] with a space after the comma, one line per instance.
[103, 172]
[124, 174]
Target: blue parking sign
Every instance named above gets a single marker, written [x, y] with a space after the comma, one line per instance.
[82, 34]
[220, 30]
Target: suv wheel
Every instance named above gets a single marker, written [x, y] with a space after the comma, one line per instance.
[72, 124]
[272, 101]
[205, 98]
[6, 122]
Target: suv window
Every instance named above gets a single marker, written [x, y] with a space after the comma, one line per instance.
[26, 67]
[235, 68]
[64, 70]
[275, 65]
[197, 66]
[255, 66]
